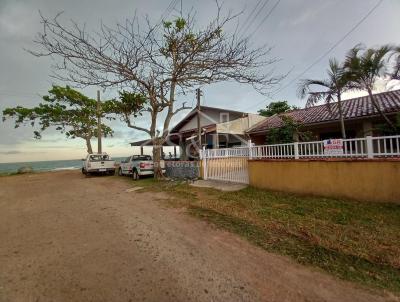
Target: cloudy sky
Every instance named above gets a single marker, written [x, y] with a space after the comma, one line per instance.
[303, 33]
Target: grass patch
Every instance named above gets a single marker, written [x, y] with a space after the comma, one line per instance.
[348, 267]
[355, 241]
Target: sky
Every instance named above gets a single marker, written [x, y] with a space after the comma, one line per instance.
[304, 34]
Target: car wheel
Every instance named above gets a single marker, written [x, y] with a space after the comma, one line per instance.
[135, 175]
[83, 171]
[120, 172]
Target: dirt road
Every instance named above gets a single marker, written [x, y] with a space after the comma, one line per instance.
[69, 238]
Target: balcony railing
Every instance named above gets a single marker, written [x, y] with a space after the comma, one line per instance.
[368, 147]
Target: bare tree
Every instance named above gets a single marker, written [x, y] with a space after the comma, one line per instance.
[157, 61]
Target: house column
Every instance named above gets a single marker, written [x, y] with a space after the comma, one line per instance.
[367, 128]
[182, 148]
[215, 141]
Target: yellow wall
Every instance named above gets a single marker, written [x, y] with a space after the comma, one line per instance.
[362, 180]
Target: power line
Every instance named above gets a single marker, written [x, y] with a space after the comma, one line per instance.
[168, 10]
[266, 17]
[326, 52]
[173, 5]
[333, 46]
[249, 16]
[255, 17]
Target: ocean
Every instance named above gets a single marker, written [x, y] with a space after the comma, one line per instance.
[42, 166]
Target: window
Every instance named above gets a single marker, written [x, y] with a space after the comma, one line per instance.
[224, 117]
[329, 135]
[98, 157]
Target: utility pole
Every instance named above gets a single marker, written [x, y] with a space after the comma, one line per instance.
[198, 95]
[98, 122]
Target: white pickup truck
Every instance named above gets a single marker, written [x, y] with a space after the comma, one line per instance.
[98, 163]
[138, 165]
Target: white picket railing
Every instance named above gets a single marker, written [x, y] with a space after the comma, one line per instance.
[368, 147]
[273, 151]
[231, 164]
[226, 152]
[386, 146]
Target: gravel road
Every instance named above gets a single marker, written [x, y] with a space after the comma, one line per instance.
[65, 237]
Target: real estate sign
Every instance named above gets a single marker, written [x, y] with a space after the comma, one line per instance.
[333, 147]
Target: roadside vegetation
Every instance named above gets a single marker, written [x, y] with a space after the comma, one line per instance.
[355, 241]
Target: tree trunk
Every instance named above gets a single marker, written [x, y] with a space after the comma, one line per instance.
[158, 142]
[388, 121]
[157, 159]
[342, 128]
[88, 145]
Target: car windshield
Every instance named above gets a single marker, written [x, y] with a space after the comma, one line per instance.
[142, 157]
[98, 157]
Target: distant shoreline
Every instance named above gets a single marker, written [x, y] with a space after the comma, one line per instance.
[40, 166]
[6, 174]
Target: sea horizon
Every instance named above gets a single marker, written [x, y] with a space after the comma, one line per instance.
[35, 161]
[45, 165]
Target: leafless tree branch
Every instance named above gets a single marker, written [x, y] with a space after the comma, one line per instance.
[159, 61]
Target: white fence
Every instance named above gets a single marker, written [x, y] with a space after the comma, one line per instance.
[368, 147]
[230, 164]
[232, 169]
[223, 153]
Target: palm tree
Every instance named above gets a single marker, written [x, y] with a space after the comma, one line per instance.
[395, 75]
[333, 87]
[364, 68]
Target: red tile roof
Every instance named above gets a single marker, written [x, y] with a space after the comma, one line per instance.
[389, 102]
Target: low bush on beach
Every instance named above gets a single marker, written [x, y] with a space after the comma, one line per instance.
[24, 170]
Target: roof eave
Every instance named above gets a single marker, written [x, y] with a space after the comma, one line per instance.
[326, 122]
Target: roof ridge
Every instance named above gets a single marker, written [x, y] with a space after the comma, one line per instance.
[362, 106]
[343, 101]
[219, 108]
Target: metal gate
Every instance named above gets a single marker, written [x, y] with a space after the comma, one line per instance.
[226, 164]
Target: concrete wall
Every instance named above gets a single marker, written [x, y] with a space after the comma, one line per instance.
[182, 169]
[240, 125]
[369, 180]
